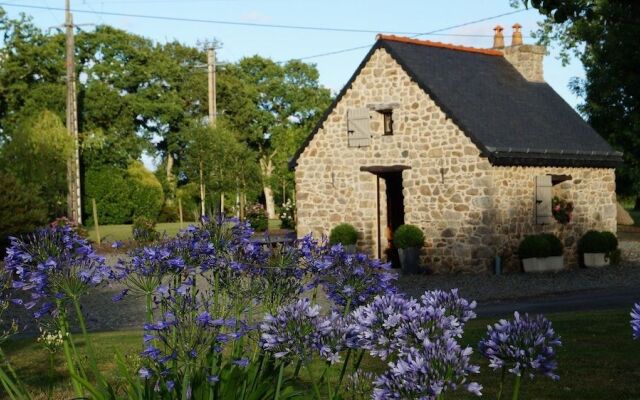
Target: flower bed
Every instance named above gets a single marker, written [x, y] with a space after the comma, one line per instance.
[227, 318]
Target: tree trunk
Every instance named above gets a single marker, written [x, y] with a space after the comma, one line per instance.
[266, 167]
[170, 178]
[202, 190]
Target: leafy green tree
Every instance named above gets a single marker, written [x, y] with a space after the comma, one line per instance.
[218, 161]
[603, 34]
[37, 154]
[265, 100]
[22, 209]
[146, 193]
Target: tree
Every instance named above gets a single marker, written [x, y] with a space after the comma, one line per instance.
[36, 154]
[603, 34]
[265, 100]
[217, 160]
[22, 209]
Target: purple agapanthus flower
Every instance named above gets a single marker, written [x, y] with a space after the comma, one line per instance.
[453, 304]
[438, 366]
[295, 331]
[376, 326]
[52, 262]
[635, 321]
[351, 280]
[522, 345]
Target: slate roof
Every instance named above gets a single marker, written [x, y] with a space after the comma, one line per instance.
[511, 120]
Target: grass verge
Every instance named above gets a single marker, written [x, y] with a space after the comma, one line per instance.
[598, 360]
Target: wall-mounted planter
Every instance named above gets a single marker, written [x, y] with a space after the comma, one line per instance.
[595, 260]
[544, 264]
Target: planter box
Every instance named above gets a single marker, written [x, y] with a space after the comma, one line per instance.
[595, 260]
[545, 264]
[410, 260]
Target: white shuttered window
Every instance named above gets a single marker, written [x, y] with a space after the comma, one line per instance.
[543, 199]
[358, 127]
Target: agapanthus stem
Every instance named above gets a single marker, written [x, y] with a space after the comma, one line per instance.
[516, 387]
[314, 384]
[149, 308]
[356, 366]
[296, 371]
[51, 370]
[343, 370]
[277, 395]
[503, 375]
[87, 341]
[69, 359]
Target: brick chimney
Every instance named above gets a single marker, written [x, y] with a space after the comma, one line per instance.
[498, 37]
[526, 58]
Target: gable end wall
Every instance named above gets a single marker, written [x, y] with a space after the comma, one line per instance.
[469, 210]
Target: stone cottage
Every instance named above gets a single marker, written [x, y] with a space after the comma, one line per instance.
[469, 144]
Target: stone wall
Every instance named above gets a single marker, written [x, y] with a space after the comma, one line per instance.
[469, 210]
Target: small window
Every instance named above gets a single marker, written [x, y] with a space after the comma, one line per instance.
[388, 122]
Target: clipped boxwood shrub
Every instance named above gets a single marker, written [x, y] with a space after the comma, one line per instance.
[147, 195]
[555, 245]
[344, 234]
[611, 239]
[598, 242]
[534, 246]
[593, 242]
[407, 236]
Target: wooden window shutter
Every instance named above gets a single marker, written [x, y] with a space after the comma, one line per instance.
[543, 199]
[358, 127]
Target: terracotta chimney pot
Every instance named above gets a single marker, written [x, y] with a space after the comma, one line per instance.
[516, 38]
[498, 37]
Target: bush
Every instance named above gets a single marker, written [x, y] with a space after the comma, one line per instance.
[147, 196]
[598, 242]
[611, 239]
[144, 230]
[112, 193]
[169, 213]
[345, 234]
[287, 215]
[408, 236]
[534, 246]
[256, 215]
[556, 248]
[21, 210]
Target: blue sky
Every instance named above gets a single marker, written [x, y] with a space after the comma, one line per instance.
[282, 44]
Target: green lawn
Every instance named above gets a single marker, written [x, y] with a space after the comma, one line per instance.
[111, 233]
[598, 360]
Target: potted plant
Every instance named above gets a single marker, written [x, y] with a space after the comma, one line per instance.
[346, 235]
[541, 253]
[596, 248]
[408, 239]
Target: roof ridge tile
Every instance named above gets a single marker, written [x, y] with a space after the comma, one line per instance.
[420, 42]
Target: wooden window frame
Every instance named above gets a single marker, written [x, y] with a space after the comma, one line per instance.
[387, 122]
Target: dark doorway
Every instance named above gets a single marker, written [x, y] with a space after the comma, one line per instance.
[392, 175]
[395, 213]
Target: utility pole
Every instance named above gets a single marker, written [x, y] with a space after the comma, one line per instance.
[73, 164]
[213, 106]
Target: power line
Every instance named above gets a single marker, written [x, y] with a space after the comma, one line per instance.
[434, 32]
[250, 24]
